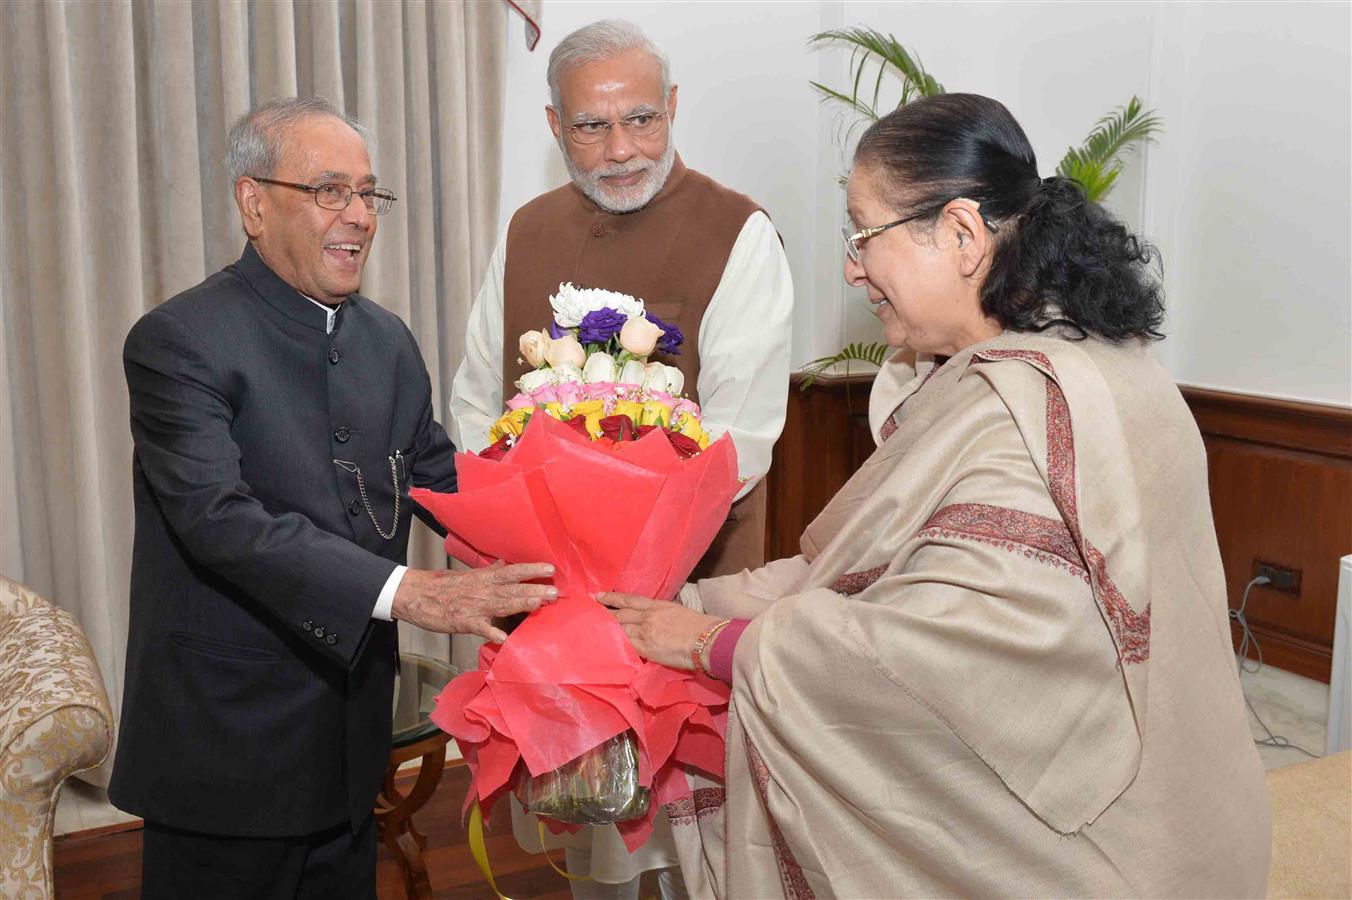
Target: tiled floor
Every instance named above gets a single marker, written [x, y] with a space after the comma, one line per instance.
[1292, 706]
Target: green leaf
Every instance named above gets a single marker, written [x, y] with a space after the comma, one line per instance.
[874, 353]
[1096, 163]
[872, 47]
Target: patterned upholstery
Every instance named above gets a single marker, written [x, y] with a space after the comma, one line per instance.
[54, 721]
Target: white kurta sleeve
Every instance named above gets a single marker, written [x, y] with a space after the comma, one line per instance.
[744, 347]
[476, 392]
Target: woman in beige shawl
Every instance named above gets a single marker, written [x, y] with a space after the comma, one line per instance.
[1001, 664]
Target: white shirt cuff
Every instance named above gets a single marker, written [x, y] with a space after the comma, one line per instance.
[385, 602]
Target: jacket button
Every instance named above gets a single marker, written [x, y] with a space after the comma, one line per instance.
[319, 631]
[354, 508]
[341, 434]
[307, 625]
[334, 356]
[598, 230]
[331, 639]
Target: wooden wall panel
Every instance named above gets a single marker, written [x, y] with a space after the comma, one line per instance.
[1281, 492]
[825, 440]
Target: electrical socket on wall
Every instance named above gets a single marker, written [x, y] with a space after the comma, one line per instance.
[1280, 578]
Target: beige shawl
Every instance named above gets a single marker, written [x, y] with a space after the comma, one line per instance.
[1002, 663]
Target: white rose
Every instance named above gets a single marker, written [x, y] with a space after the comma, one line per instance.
[632, 373]
[536, 378]
[566, 350]
[567, 373]
[534, 345]
[675, 381]
[599, 367]
[639, 336]
[655, 377]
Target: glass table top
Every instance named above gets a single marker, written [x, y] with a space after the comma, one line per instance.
[416, 685]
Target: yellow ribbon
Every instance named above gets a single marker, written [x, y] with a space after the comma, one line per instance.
[563, 872]
[478, 848]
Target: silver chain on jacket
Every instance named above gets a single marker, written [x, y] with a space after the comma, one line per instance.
[355, 469]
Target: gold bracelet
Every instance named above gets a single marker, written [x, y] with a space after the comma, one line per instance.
[702, 642]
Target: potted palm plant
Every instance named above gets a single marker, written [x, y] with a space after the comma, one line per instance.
[1095, 164]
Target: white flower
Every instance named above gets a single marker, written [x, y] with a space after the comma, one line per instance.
[639, 336]
[675, 381]
[536, 378]
[534, 345]
[564, 351]
[655, 377]
[571, 304]
[567, 373]
[632, 373]
[599, 367]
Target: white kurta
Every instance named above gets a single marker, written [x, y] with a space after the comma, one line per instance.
[743, 342]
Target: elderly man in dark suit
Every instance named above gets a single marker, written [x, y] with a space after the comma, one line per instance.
[279, 419]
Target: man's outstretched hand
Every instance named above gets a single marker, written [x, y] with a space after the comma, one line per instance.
[466, 602]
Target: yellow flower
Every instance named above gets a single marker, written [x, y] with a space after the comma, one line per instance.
[629, 408]
[555, 409]
[655, 412]
[590, 410]
[689, 426]
[586, 408]
[512, 423]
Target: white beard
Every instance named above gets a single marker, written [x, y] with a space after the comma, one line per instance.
[628, 199]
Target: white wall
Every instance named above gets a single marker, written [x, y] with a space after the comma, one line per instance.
[1246, 194]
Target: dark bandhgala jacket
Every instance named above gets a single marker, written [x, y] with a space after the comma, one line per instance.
[671, 253]
[258, 689]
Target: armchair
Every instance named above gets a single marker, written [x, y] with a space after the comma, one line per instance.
[54, 721]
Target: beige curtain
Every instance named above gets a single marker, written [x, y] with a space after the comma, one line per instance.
[112, 134]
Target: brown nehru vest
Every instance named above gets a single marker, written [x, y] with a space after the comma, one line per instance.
[671, 254]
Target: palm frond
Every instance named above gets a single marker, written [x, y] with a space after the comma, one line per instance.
[873, 353]
[872, 46]
[852, 101]
[1096, 163]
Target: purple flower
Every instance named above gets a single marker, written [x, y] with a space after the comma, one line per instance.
[555, 331]
[600, 325]
[671, 336]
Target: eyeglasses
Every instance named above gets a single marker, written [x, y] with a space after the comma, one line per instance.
[336, 195]
[637, 125]
[852, 241]
[863, 234]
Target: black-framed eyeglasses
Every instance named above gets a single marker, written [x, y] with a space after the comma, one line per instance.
[642, 124]
[336, 195]
[852, 241]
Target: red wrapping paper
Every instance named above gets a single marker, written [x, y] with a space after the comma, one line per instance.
[630, 516]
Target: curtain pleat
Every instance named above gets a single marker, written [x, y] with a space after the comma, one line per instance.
[112, 135]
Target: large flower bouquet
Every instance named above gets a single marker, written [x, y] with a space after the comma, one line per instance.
[600, 467]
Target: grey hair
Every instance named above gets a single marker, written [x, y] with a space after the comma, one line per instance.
[605, 39]
[254, 146]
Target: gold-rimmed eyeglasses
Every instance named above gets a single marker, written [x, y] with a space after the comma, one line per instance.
[853, 240]
[336, 195]
[642, 124]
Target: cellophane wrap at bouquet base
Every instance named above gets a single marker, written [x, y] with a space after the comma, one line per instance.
[629, 516]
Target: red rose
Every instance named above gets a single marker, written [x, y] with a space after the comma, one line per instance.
[618, 428]
[497, 451]
[684, 446]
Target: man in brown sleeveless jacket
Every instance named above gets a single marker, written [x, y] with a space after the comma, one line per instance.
[635, 220]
